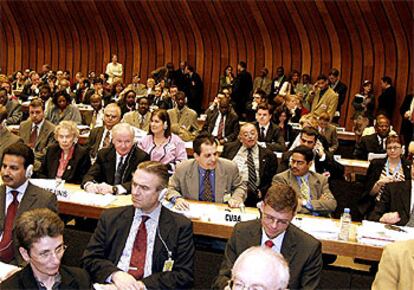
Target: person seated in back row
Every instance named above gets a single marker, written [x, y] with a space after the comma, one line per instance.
[206, 177]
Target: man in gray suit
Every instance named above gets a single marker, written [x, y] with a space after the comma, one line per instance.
[17, 195]
[37, 132]
[206, 178]
[314, 195]
[275, 231]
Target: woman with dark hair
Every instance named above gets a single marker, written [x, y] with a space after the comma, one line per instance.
[63, 109]
[281, 119]
[160, 143]
[226, 80]
[18, 81]
[289, 87]
[392, 168]
[364, 101]
[66, 160]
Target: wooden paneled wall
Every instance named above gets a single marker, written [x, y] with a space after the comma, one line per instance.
[363, 39]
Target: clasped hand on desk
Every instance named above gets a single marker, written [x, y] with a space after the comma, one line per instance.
[102, 188]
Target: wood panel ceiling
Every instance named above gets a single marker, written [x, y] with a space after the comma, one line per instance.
[363, 39]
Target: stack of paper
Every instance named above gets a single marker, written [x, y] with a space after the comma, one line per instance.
[319, 228]
[87, 198]
[378, 234]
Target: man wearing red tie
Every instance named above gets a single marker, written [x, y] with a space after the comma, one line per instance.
[274, 230]
[143, 246]
[17, 195]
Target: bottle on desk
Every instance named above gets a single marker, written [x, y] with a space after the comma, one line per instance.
[345, 225]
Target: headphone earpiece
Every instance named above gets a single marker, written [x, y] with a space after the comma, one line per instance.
[29, 171]
[165, 126]
[162, 194]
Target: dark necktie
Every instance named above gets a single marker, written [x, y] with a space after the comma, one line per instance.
[33, 136]
[107, 140]
[6, 245]
[119, 171]
[269, 244]
[262, 134]
[139, 251]
[207, 194]
[94, 117]
[221, 128]
[251, 182]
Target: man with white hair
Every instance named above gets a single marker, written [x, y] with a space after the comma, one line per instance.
[259, 268]
[112, 171]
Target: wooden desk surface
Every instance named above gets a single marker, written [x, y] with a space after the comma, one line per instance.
[224, 230]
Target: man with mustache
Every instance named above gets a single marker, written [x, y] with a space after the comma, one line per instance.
[18, 195]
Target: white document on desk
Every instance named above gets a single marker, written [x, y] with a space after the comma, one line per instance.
[5, 269]
[376, 234]
[319, 228]
[87, 198]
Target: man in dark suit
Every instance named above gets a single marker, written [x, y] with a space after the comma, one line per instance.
[269, 133]
[242, 87]
[223, 123]
[17, 195]
[112, 171]
[97, 89]
[258, 176]
[340, 88]
[324, 162]
[39, 234]
[100, 137]
[143, 245]
[274, 230]
[37, 132]
[396, 205]
[32, 89]
[374, 143]
[194, 89]
[277, 84]
[388, 98]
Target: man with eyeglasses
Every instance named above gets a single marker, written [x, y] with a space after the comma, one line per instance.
[257, 165]
[274, 230]
[100, 137]
[39, 234]
[315, 196]
[259, 268]
[374, 143]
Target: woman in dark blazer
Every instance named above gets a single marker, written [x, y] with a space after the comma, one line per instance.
[393, 168]
[66, 160]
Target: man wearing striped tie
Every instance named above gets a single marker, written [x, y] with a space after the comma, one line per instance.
[315, 196]
[274, 230]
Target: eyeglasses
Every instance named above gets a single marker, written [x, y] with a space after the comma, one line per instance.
[111, 116]
[393, 148]
[59, 251]
[271, 220]
[239, 285]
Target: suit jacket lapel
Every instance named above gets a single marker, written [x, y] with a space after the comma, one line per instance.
[2, 206]
[193, 180]
[29, 198]
[219, 185]
[262, 161]
[164, 229]
[111, 165]
[125, 222]
[288, 249]
[293, 182]
[255, 234]
[54, 162]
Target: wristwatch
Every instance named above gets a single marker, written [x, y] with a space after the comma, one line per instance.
[114, 190]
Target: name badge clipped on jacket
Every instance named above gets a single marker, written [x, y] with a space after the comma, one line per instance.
[168, 265]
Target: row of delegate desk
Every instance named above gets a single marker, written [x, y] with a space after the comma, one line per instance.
[223, 230]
